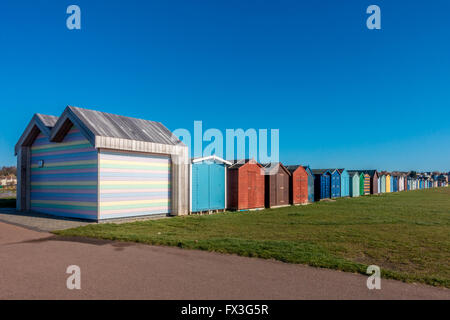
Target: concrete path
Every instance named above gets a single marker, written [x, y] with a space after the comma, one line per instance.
[33, 266]
[38, 221]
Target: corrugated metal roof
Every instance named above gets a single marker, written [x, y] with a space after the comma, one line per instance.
[115, 126]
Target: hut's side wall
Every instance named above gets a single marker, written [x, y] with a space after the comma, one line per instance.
[66, 184]
[232, 189]
[310, 187]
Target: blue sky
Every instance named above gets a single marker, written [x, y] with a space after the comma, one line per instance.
[340, 94]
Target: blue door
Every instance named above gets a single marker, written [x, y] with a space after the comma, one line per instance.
[217, 186]
[208, 186]
[200, 187]
[325, 187]
[335, 185]
[311, 188]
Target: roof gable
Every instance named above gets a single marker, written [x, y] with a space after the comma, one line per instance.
[40, 123]
[104, 130]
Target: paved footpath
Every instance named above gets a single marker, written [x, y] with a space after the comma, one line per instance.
[33, 266]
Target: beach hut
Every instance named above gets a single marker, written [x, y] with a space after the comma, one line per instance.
[367, 184]
[405, 181]
[335, 183]
[379, 184]
[322, 184]
[388, 182]
[245, 185]
[298, 185]
[208, 183]
[394, 182]
[354, 177]
[345, 183]
[382, 179]
[94, 165]
[401, 182]
[373, 180]
[361, 183]
[277, 178]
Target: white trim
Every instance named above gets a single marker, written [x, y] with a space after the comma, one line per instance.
[190, 187]
[213, 157]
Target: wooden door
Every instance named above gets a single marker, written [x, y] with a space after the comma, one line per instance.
[251, 189]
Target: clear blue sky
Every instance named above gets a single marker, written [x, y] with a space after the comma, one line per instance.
[341, 95]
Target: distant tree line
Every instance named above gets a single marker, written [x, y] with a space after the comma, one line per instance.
[8, 171]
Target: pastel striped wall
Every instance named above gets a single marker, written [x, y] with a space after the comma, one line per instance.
[66, 184]
[132, 184]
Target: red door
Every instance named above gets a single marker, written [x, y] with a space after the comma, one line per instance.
[251, 189]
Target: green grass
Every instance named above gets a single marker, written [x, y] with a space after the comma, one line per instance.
[407, 234]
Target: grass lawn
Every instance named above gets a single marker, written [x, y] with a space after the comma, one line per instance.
[407, 234]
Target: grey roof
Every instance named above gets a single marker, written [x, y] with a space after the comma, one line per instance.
[105, 130]
[47, 120]
[115, 126]
[292, 168]
[354, 171]
[319, 171]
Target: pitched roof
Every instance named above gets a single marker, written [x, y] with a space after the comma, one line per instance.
[103, 130]
[369, 172]
[47, 120]
[211, 158]
[355, 171]
[272, 166]
[236, 164]
[292, 168]
[319, 171]
[102, 124]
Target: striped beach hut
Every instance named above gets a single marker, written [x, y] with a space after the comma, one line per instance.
[366, 184]
[373, 174]
[354, 177]
[94, 165]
